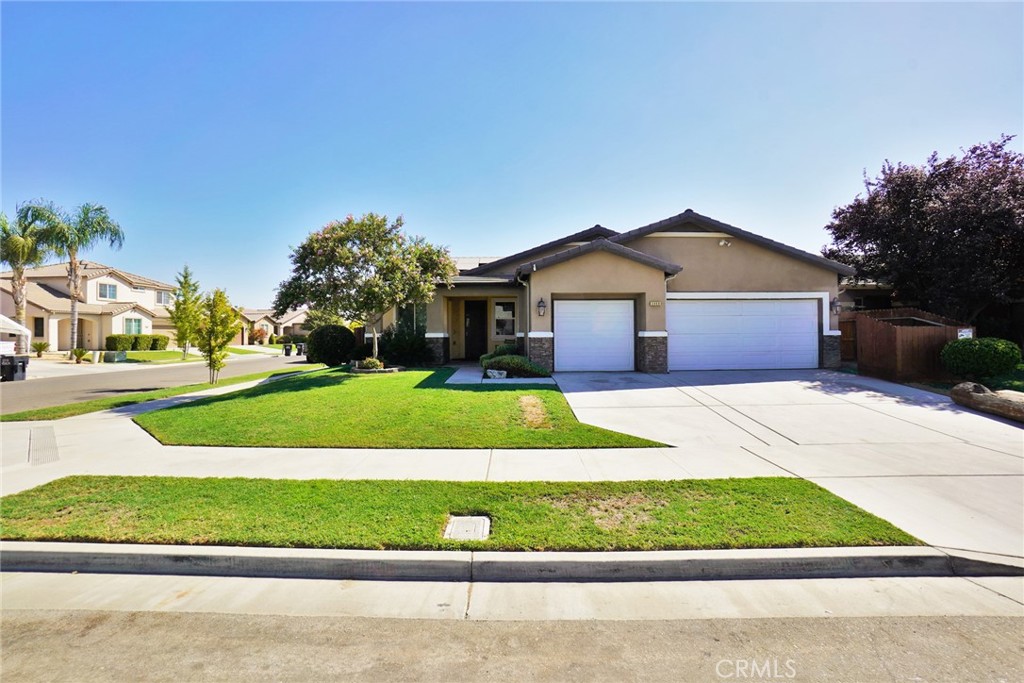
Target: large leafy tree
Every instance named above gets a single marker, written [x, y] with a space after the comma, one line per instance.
[948, 235]
[186, 310]
[359, 269]
[219, 324]
[69, 234]
[21, 247]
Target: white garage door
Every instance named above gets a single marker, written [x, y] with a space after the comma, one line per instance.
[593, 335]
[742, 335]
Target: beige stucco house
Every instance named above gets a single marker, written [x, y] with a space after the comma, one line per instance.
[685, 293]
[291, 323]
[113, 301]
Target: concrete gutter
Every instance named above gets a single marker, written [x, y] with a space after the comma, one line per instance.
[462, 566]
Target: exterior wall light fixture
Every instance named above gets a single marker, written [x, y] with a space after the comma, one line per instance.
[541, 307]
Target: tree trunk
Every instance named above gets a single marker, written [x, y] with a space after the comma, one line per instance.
[18, 286]
[374, 330]
[74, 287]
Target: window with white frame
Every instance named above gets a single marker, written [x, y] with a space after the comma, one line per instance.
[108, 291]
[138, 289]
[133, 325]
[505, 319]
[163, 298]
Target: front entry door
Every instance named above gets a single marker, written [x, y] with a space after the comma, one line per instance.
[476, 329]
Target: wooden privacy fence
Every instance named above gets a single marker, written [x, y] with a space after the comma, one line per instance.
[903, 343]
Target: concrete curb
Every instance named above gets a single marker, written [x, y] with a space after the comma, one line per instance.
[398, 565]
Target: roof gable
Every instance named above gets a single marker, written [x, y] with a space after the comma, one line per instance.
[91, 269]
[594, 233]
[705, 224]
[595, 246]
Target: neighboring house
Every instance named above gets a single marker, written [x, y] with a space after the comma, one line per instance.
[864, 295]
[113, 301]
[263, 318]
[685, 293]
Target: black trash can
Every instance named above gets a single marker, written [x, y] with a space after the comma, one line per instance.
[6, 368]
[300, 349]
[20, 367]
[287, 349]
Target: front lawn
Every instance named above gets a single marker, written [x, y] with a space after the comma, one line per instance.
[770, 512]
[160, 357]
[111, 402]
[413, 409]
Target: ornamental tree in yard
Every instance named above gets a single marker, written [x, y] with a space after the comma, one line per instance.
[361, 268]
[218, 326]
[186, 310]
[948, 235]
[21, 247]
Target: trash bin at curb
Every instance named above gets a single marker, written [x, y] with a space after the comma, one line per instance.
[13, 368]
[287, 349]
[300, 349]
[97, 356]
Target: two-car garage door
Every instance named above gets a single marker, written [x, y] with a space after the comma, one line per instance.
[734, 334]
[742, 334]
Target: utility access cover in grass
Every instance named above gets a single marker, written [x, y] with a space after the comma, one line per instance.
[768, 512]
[476, 528]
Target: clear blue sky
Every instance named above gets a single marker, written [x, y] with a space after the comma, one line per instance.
[220, 134]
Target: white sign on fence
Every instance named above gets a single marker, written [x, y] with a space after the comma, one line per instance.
[965, 333]
[6, 348]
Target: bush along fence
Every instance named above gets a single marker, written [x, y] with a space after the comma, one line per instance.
[903, 344]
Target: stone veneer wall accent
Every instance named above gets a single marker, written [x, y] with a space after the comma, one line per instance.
[438, 349]
[652, 354]
[542, 352]
[830, 351]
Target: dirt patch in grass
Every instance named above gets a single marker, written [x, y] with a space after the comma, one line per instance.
[535, 415]
[619, 513]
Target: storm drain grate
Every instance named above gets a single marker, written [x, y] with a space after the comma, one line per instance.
[42, 446]
[468, 528]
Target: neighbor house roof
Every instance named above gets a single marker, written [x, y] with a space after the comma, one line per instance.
[470, 262]
[596, 232]
[709, 224]
[482, 280]
[56, 301]
[91, 269]
[595, 246]
[254, 314]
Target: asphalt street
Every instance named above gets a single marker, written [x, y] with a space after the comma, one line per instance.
[149, 646]
[55, 391]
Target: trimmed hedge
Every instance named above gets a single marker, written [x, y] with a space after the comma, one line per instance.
[142, 342]
[515, 366]
[119, 342]
[160, 342]
[983, 357]
[330, 344]
[503, 350]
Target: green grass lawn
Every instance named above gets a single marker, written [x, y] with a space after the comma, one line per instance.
[72, 409]
[1013, 380]
[412, 409]
[239, 351]
[160, 357]
[770, 512]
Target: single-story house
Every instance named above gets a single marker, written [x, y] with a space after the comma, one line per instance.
[685, 293]
[263, 318]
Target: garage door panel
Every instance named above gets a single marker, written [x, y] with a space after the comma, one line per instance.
[593, 335]
[742, 334]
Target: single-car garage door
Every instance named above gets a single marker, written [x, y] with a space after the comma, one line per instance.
[593, 335]
[742, 334]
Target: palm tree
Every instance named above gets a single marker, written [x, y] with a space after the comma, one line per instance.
[21, 247]
[68, 234]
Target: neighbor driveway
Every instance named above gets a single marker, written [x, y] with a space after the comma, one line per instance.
[950, 476]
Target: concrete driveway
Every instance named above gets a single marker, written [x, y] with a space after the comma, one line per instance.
[951, 477]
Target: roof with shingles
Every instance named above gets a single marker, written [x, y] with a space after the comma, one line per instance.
[91, 269]
[596, 232]
[692, 217]
[599, 245]
[56, 301]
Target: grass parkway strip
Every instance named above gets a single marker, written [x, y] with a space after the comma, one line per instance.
[770, 512]
[111, 402]
[413, 409]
